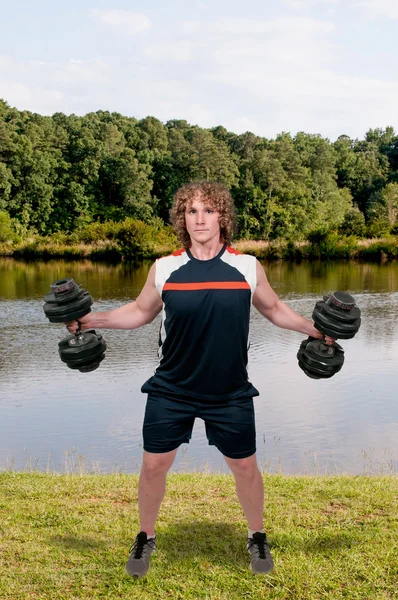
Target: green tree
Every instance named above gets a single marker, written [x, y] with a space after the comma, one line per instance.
[6, 230]
[362, 168]
[153, 141]
[387, 142]
[5, 185]
[383, 210]
[329, 203]
[32, 161]
[353, 223]
[211, 159]
[390, 199]
[173, 168]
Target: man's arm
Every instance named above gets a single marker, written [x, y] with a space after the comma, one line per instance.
[268, 304]
[129, 316]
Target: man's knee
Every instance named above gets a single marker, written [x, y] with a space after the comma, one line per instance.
[157, 464]
[243, 467]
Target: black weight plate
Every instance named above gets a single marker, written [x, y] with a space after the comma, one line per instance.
[342, 300]
[76, 347]
[339, 315]
[62, 299]
[334, 365]
[319, 359]
[92, 366]
[62, 286]
[315, 374]
[333, 328]
[81, 360]
[70, 311]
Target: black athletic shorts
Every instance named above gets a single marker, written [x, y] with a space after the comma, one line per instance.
[229, 424]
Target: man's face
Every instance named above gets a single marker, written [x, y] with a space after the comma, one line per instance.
[202, 220]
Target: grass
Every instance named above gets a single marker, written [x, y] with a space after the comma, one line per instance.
[369, 250]
[344, 248]
[67, 537]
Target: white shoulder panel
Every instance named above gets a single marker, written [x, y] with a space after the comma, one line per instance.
[244, 263]
[166, 265]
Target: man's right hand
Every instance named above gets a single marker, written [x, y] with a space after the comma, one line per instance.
[82, 323]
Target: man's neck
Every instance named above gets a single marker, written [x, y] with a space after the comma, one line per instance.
[205, 251]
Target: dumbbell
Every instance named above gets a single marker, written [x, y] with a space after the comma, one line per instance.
[68, 301]
[337, 316]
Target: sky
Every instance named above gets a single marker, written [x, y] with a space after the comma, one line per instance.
[325, 67]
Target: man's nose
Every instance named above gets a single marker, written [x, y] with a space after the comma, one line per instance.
[200, 218]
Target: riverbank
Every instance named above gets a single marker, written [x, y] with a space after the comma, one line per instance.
[371, 250]
[66, 537]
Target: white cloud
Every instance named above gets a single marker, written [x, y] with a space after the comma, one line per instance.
[284, 74]
[241, 124]
[83, 86]
[284, 47]
[4, 61]
[83, 71]
[123, 20]
[378, 8]
[33, 98]
[179, 51]
[241, 27]
[306, 4]
[330, 104]
[47, 87]
[265, 75]
[371, 8]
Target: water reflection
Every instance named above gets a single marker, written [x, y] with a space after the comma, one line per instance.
[52, 417]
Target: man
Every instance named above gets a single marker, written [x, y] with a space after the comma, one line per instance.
[204, 292]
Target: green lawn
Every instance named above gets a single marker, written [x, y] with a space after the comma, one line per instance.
[67, 537]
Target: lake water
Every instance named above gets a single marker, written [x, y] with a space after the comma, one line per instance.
[53, 418]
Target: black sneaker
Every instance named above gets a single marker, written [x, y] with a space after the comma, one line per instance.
[260, 556]
[140, 555]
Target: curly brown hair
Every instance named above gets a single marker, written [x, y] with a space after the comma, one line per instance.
[216, 196]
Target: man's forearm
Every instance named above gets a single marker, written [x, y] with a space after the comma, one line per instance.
[283, 316]
[128, 316]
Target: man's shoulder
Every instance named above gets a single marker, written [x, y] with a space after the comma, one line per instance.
[244, 263]
[231, 253]
[232, 250]
[178, 253]
[166, 265]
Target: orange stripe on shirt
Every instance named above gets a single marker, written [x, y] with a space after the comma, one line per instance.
[207, 285]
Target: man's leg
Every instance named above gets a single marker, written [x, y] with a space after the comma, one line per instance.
[250, 489]
[151, 489]
[152, 486]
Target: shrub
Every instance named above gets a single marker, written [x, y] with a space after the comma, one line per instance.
[57, 238]
[7, 233]
[322, 243]
[377, 229]
[353, 223]
[138, 240]
[277, 249]
[98, 232]
[380, 250]
[328, 244]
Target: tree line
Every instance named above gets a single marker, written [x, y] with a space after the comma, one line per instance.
[62, 172]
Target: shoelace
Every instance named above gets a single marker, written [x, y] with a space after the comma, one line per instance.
[140, 545]
[258, 540]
